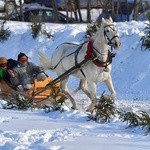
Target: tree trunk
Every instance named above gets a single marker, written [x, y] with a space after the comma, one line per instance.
[74, 8]
[66, 7]
[21, 10]
[113, 10]
[127, 8]
[78, 8]
[136, 9]
[117, 9]
[120, 10]
[55, 9]
[88, 11]
[105, 5]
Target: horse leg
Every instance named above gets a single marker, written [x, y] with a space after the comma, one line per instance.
[110, 86]
[92, 95]
[66, 92]
[83, 86]
[77, 89]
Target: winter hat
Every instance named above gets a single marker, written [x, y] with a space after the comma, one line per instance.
[21, 55]
[3, 60]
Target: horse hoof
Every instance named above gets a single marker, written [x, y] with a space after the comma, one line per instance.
[89, 110]
[91, 107]
[74, 108]
[109, 98]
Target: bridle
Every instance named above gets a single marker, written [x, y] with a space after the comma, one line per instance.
[110, 43]
[109, 54]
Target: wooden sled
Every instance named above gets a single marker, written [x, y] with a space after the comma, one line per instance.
[45, 97]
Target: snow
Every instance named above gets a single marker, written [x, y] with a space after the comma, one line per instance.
[71, 130]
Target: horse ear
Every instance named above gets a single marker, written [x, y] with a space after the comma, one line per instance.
[110, 19]
[103, 20]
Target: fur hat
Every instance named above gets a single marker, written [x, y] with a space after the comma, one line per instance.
[21, 55]
[3, 60]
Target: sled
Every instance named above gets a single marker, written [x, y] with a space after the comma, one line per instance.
[44, 92]
[50, 93]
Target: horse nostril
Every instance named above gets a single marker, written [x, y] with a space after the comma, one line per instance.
[117, 44]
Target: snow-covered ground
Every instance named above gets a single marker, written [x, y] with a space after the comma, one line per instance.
[70, 130]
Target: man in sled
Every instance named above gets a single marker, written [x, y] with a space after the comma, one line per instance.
[25, 73]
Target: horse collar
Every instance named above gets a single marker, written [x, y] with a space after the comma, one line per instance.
[90, 52]
[99, 63]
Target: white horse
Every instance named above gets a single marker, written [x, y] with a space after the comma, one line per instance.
[68, 55]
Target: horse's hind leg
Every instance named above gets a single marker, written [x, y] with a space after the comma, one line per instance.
[66, 92]
[110, 86]
[83, 86]
[77, 89]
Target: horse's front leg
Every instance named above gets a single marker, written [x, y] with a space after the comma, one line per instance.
[92, 95]
[110, 86]
[67, 93]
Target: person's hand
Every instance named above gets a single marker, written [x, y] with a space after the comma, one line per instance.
[11, 73]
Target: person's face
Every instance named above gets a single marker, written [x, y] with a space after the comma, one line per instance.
[23, 60]
[4, 65]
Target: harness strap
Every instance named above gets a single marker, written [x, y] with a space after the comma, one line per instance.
[99, 63]
[76, 61]
[76, 52]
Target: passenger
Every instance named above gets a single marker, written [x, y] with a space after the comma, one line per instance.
[25, 73]
[5, 73]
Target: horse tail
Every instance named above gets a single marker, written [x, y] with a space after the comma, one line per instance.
[45, 61]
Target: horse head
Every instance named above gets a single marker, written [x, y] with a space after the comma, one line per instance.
[105, 37]
[110, 34]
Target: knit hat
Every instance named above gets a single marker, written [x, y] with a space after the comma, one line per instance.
[3, 60]
[21, 55]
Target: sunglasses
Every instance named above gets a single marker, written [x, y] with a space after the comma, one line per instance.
[3, 65]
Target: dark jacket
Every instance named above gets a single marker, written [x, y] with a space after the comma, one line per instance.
[25, 74]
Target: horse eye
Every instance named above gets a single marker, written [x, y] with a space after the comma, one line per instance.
[107, 30]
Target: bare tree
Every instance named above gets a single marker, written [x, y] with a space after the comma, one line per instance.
[105, 6]
[77, 3]
[113, 10]
[21, 10]
[9, 8]
[127, 9]
[120, 11]
[117, 9]
[88, 11]
[75, 7]
[54, 5]
[67, 9]
[136, 9]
